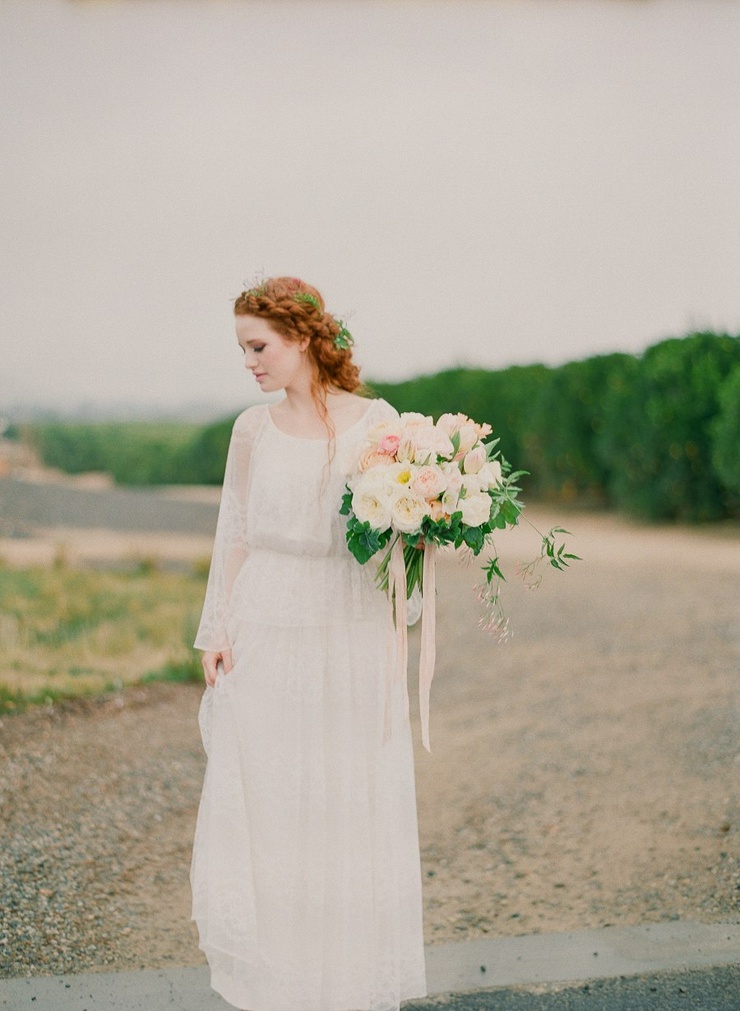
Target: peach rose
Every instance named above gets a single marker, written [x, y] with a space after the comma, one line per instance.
[429, 481]
[372, 458]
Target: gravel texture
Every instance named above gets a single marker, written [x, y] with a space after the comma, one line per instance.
[584, 773]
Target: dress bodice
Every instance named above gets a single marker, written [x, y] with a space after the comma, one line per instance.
[279, 513]
[296, 487]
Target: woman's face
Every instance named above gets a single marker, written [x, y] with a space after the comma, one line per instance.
[276, 363]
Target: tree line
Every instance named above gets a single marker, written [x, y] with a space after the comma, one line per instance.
[656, 435]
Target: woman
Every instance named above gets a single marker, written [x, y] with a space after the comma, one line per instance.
[306, 878]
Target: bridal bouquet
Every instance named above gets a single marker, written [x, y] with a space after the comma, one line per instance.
[419, 485]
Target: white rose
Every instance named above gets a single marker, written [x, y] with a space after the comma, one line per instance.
[412, 418]
[429, 443]
[472, 484]
[490, 474]
[372, 507]
[378, 481]
[383, 428]
[424, 439]
[449, 423]
[452, 473]
[474, 459]
[475, 509]
[407, 511]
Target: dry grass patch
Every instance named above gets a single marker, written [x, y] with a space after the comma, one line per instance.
[68, 631]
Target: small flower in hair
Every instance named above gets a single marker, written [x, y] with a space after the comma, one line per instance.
[344, 339]
[305, 296]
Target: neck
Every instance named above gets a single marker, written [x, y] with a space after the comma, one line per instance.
[299, 399]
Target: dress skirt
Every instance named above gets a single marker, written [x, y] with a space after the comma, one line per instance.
[305, 876]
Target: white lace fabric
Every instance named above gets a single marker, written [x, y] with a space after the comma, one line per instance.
[306, 876]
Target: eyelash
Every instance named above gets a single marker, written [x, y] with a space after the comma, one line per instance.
[257, 349]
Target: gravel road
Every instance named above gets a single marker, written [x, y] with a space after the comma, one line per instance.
[584, 773]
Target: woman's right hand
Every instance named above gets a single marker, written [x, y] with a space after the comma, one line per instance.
[211, 660]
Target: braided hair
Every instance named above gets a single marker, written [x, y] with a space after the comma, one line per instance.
[296, 310]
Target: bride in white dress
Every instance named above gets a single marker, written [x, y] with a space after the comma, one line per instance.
[305, 876]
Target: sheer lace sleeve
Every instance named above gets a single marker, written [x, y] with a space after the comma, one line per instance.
[230, 545]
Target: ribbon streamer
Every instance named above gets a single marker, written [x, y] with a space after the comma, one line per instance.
[428, 653]
[398, 651]
[397, 661]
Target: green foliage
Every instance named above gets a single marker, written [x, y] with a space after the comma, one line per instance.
[364, 541]
[132, 453]
[207, 452]
[570, 415]
[725, 432]
[658, 433]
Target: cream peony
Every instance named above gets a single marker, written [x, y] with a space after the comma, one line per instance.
[449, 423]
[407, 511]
[475, 509]
[384, 428]
[426, 443]
[380, 481]
[412, 418]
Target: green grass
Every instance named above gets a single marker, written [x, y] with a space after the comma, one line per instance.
[68, 632]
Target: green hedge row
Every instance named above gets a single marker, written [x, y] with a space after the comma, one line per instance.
[133, 454]
[656, 435]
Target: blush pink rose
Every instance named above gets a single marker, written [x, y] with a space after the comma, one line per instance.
[389, 445]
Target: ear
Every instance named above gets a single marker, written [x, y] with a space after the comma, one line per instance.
[303, 346]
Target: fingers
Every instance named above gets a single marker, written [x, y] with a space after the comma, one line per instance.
[211, 661]
[210, 671]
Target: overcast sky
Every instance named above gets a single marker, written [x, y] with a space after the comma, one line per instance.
[468, 182]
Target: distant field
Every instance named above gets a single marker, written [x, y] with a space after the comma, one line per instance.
[68, 631]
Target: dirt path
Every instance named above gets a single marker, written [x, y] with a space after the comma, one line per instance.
[584, 773]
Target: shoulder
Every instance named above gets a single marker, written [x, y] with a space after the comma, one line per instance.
[381, 410]
[250, 422]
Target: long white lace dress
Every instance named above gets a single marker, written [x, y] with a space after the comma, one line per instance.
[305, 874]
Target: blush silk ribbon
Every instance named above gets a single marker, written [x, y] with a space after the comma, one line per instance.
[398, 650]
